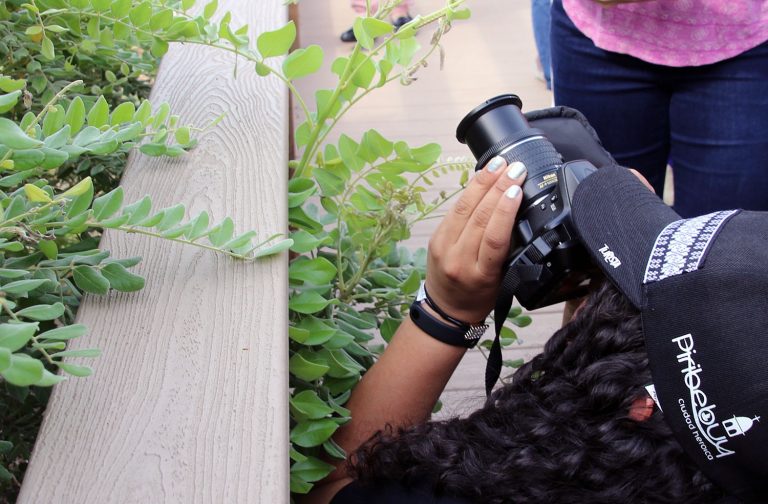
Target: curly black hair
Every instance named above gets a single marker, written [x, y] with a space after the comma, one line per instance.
[559, 433]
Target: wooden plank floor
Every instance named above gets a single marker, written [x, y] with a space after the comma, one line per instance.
[490, 54]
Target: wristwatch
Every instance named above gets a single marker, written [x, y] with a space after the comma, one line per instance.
[448, 329]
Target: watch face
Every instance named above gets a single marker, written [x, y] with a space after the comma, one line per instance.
[422, 294]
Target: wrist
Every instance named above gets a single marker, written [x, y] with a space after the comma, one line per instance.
[431, 319]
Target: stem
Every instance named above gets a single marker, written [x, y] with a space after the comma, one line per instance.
[52, 102]
[244, 257]
[19, 217]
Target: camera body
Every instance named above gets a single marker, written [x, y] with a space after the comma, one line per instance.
[553, 266]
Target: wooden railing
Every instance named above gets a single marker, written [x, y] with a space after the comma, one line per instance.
[188, 403]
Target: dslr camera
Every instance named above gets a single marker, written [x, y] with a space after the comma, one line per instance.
[553, 265]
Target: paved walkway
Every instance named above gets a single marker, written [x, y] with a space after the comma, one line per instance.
[490, 54]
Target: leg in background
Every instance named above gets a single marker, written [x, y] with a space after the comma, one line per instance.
[719, 132]
[625, 99]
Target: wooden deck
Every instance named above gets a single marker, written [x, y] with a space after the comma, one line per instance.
[490, 54]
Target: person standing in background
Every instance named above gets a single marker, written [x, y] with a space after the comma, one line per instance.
[540, 16]
[678, 81]
[400, 15]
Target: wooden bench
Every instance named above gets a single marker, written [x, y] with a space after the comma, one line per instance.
[189, 400]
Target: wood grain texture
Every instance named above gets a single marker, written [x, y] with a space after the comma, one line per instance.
[188, 404]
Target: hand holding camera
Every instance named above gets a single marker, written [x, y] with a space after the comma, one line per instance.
[469, 249]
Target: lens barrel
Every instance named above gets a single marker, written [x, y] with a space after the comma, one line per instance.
[497, 127]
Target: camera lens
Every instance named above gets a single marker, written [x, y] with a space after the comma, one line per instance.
[497, 127]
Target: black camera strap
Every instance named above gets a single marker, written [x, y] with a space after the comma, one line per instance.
[509, 285]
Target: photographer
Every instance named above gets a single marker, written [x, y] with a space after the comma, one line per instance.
[577, 424]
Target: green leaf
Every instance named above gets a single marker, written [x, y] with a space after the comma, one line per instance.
[121, 8]
[100, 5]
[75, 370]
[309, 405]
[304, 242]
[292, 452]
[522, 320]
[121, 279]
[107, 205]
[35, 194]
[75, 115]
[64, 333]
[307, 366]
[141, 14]
[123, 113]
[5, 360]
[318, 271]
[12, 273]
[334, 450]
[8, 101]
[13, 136]
[318, 331]
[388, 328]
[222, 233]
[34, 30]
[161, 20]
[384, 279]
[49, 379]
[362, 37]
[311, 469]
[297, 485]
[42, 312]
[171, 216]
[90, 279]
[277, 42]
[210, 9]
[22, 286]
[49, 248]
[9, 85]
[182, 135]
[79, 189]
[299, 190]
[47, 49]
[367, 29]
[262, 69]
[159, 47]
[198, 226]
[411, 284]
[24, 370]
[98, 116]
[16, 336]
[273, 249]
[56, 28]
[138, 210]
[307, 302]
[83, 352]
[313, 432]
[303, 62]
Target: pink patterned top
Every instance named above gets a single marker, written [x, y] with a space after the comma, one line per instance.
[673, 32]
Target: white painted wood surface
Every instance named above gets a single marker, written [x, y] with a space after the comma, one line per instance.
[188, 404]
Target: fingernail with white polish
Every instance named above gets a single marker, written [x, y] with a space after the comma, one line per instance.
[513, 192]
[495, 164]
[516, 170]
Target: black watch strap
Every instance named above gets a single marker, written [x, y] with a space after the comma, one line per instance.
[458, 334]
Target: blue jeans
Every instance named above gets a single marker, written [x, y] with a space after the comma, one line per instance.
[540, 15]
[709, 122]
